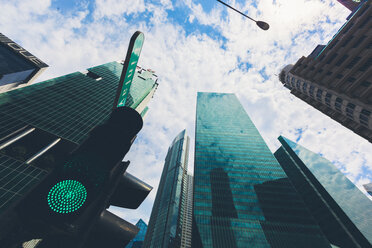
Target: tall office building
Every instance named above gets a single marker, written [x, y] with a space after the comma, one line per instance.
[137, 242]
[336, 78]
[242, 197]
[368, 188]
[41, 123]
[350, 4]
[17, 66]
[167, 216]
[187, 216]
[342, 211]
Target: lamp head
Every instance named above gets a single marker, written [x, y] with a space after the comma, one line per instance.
[263, 25]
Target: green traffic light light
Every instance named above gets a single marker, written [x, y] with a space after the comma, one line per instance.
[67, 196]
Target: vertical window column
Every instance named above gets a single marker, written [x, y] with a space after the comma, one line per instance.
[328, 99]
[338, 104]
[364, 117]
[350, 110]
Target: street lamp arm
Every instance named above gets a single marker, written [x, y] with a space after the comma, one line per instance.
[236, 10]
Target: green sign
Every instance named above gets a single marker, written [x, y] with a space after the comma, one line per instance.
[129, 68]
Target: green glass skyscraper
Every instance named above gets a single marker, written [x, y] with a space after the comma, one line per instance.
[41, 123]
[169, 213]
[242, 197]
[340, 208]
[137, 242]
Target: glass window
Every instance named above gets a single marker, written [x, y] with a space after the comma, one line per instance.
[319, 94]
[351, 79]
[365, 84]
[341, 60]
[328, 99]
[292, 81]
[311, 91]
[348, 39]
[364, 117]
[366, 65]
[353, 62]
[304, 87]
[358, 42]
[350, 110]
[298, 84]
[338, 104]
[331, 58]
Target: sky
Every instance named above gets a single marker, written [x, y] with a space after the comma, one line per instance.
[196, 45]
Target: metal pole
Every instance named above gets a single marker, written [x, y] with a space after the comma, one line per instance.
[236, 10]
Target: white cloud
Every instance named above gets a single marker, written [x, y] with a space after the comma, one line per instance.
[110, 8]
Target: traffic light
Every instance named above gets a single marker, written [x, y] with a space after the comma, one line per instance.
[110, 230]
[68, 208]
[71, 203]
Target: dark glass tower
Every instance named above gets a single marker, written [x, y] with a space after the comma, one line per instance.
[43, 122]
[242, 197]
[137, 242]
[167, 216]
[17, 66]
[342, 211]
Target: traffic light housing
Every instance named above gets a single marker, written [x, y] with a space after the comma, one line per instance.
[72, 200]
[129, 187]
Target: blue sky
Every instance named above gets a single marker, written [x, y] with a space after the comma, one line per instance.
[196, 45]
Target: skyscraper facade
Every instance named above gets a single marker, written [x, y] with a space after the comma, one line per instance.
[368, 188]
[168, 212]
[350, 4]
[242, 197]
[17, 66]
[41, 123]
[342, 211]
[187, 216]
[137, 242]
[336, 78]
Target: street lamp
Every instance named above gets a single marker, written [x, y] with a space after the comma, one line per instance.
[261, 24]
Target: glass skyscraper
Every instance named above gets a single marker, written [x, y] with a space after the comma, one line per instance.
[242, 197]
[41, 123]
[342, 211]
[17, 66]
[137, 242]
[168, 213]
[187, 214]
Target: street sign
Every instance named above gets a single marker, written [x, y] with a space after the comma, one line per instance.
[129, 68]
